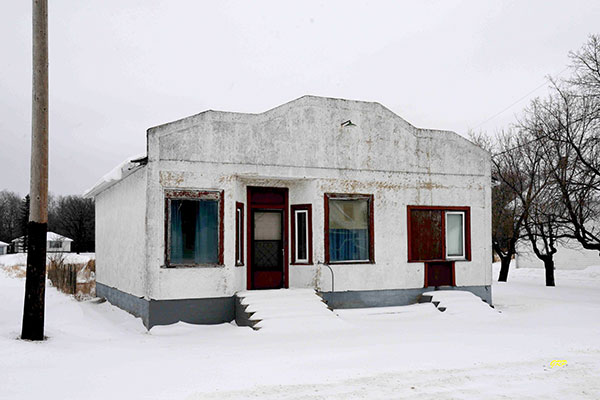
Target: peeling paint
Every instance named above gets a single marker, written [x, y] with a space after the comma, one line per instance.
[171, 178]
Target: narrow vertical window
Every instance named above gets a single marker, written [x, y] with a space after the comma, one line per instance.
[455, 234]
[302, 234]
[239, 234]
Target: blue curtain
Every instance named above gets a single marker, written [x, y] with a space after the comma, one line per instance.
[176, 233]
[349, 229]
[348, 244]
[207, 233]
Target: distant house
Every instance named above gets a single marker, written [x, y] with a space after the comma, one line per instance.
[3, 248]
[341, 196]
[55, 243]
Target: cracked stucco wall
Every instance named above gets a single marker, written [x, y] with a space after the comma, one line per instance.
[302, 146]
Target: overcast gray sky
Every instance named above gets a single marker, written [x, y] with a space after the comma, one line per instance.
[118, 67]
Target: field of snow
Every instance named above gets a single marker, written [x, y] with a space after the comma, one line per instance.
[96, 351]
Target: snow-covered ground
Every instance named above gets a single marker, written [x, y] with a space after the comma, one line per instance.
[96, 351]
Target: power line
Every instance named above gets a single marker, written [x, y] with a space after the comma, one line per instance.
[518, 101]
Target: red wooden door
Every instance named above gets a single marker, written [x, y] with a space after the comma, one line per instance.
[267, 238]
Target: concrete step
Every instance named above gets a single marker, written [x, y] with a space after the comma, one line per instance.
[282, 308]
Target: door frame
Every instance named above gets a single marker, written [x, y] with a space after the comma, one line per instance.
[265, 206]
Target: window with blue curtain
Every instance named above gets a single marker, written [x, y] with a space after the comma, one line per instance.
[348, 229]
[194, 228]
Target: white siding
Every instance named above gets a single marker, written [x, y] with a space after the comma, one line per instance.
[120, 235]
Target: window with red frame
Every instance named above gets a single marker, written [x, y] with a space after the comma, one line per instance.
[438, 233]
[239, 234]
[301, 234]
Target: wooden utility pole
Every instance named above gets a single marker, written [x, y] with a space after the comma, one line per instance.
[33, 313]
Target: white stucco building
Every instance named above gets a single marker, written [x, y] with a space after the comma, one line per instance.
[3, 248]
[342, 196]
[55, 243]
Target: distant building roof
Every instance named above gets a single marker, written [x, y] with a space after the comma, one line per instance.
[51, 237]
[2, 244]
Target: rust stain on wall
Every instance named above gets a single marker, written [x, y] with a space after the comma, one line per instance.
[350, 185]
[170, 179]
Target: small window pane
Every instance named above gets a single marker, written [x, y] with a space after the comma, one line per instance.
[301, 236]
[348, 230]
[267, 226]
[454, 234]
[194, 232]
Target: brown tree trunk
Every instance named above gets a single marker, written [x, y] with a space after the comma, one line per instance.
[504, 266]
[549, 267]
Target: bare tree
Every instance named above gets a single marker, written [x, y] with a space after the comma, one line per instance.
[10, 203]
[545, 228]
[585, 67]
[565, 125]
[507, 212]
[73, 216]
[517, 171]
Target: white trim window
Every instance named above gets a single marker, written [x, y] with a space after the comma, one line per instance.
[239, 215]
[455, 235]
[301, 236]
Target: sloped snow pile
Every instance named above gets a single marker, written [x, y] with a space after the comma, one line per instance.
[395, 313]
[457, 302]
[288, 309]
[115, 174]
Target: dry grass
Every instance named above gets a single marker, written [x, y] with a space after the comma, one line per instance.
[76, 279]
[15, 271]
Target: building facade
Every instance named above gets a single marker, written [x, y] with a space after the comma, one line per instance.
[55, 243]
[341, 196]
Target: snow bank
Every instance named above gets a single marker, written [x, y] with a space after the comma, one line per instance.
[9, 260]
[97, 351]
[589, 276]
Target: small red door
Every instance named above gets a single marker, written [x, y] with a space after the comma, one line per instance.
[439, 273]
